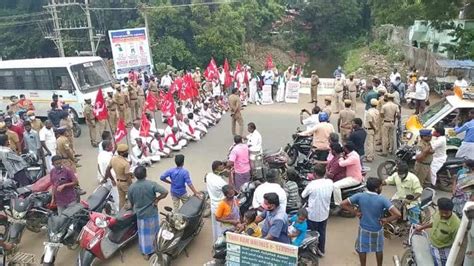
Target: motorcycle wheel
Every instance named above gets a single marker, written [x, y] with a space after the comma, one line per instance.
[85, 258]
[76, 130]
[407, 258]
[363, 96]
[293, 154]
[155, 260]
[386, 169]
[307, 258]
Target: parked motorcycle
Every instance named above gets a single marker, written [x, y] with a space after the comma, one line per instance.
[34, 169]
[177, 230]
[104, 235]
[402, 226]
[64, 229]
[418, 249]
[301, 145]
[407, 153]
[346, 193]
[246, 195]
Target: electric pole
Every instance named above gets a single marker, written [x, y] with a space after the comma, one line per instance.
[89, 25]
[55, 36]
[147, 31]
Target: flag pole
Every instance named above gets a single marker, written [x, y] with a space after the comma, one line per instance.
[113, 132]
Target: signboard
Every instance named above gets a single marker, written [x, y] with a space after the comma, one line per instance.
[305, 87]
[267, 94]
[292, 94]
[130, 51]
[246, 250]
[326, 86]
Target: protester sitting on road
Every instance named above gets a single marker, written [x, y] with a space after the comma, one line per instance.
[275, 219]
[408, 192]
[227, 212]
[173, 140]
[157, 146]
[298, 227]
[271, 185]
[370, 210]
[444, 228]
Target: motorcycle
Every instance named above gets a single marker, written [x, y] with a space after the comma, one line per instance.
[35, 169]
[178, 229]
[104, 235]
[418, 252]
[64, 229]
[307, 251]
[401, 227]
[301, 145]
[407, 153]
[246, 196]
[346, 193]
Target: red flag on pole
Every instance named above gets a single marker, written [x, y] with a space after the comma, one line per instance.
[228, 78]
[167, 105]
[150, 103]
[121, 130]
[269, 62]
[211, 71]
[188, 87]
[176, 85]
[144, 126]
[100, 109]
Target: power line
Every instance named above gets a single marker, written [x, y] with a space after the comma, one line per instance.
[24, 23]
[162, 7]
[24, 16]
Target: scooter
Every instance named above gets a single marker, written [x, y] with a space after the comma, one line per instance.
[346, 193]
[64, 229]
[178, 229]
[104, 235]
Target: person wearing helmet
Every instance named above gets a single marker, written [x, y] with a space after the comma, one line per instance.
[321, 134]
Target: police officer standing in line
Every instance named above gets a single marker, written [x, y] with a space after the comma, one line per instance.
[352, 86]
[112, 111]
[64, 150]
[338, 92]
[123, 176]
[378, 137]
[121, 101]
[314, 87]
[141, 97]
[133, 95]
[389, 114]
[344, 123]
[372, 117]
[91, 122]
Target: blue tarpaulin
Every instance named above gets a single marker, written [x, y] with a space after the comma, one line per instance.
[466, 64]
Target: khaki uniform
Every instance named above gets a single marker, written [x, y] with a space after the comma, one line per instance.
[314, 87]
[37, 125]
[120, 100]
[64, 150]
[91, 123]
[134, 106]
[338, 93]
[113, 116]
[68, 124]
[13, 140]
[422, 168]
[378, 136]
[235, 106]
[141, 99]
[327, 110]
[121, 167]
[372, 115]
[345, 123]
[389, 112]
[352, 85]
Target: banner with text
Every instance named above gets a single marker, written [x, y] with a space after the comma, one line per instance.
[267, 94]
[292, 92]
[130, 51]
[246, 250]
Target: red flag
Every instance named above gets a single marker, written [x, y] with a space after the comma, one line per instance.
[121, 130]
[176, 85]
[269, 62]
[144, 126]
[228, 78]
[188, 87]
[150, 103]
[211, 71]
[167, 105]
[100, 109]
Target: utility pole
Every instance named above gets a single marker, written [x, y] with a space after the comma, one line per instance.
[147, 31]
[56, 36]
[89, 25]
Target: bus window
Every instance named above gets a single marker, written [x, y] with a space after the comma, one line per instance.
[61, 79]
[91, 75]
[42, 78]
[7, 80]
[24, 79]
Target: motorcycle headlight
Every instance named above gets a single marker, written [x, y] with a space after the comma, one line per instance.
[179, 222]
[55, 237]
[18, 215]
[101, 223]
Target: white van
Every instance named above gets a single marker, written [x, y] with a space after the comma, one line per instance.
[72, 78]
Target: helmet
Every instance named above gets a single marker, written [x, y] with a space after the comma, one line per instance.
[323, 117]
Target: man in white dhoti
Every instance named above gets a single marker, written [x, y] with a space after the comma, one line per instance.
[174, 140]
[280, 83]
[158, 146]
[438, 143]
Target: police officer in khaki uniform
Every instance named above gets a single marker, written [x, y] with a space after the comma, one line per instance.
[64, 150]
[338, 93]
[235, 112]
[123, 176]
[382, 91]
[133, 97]
[314, 87]
[91, 122]
[423, 161]
[389, 114]
[352, 86]
[121, 101]
[153, 88]
[344, 122]
[36, 123]
[370, 124]
[112, 111]
[327, 107]
[141, 98]
[13, 139]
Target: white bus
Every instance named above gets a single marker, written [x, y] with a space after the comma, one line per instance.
[72, 78]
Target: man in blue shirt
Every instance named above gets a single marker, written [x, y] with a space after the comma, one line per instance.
[178, 179]
[371, 209]
[371, 94]
[275, 219]
[467, 146]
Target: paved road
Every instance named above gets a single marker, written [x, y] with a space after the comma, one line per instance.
[276, 123]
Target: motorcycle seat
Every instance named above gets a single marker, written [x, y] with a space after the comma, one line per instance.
[426, 197]
[73, 210]
[97, 198]
[192, 207]
[358, 186]
[124, 218]
[421, 250]
[310, 237]
[454, 161]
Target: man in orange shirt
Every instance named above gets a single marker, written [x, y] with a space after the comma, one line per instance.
[25, 104]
